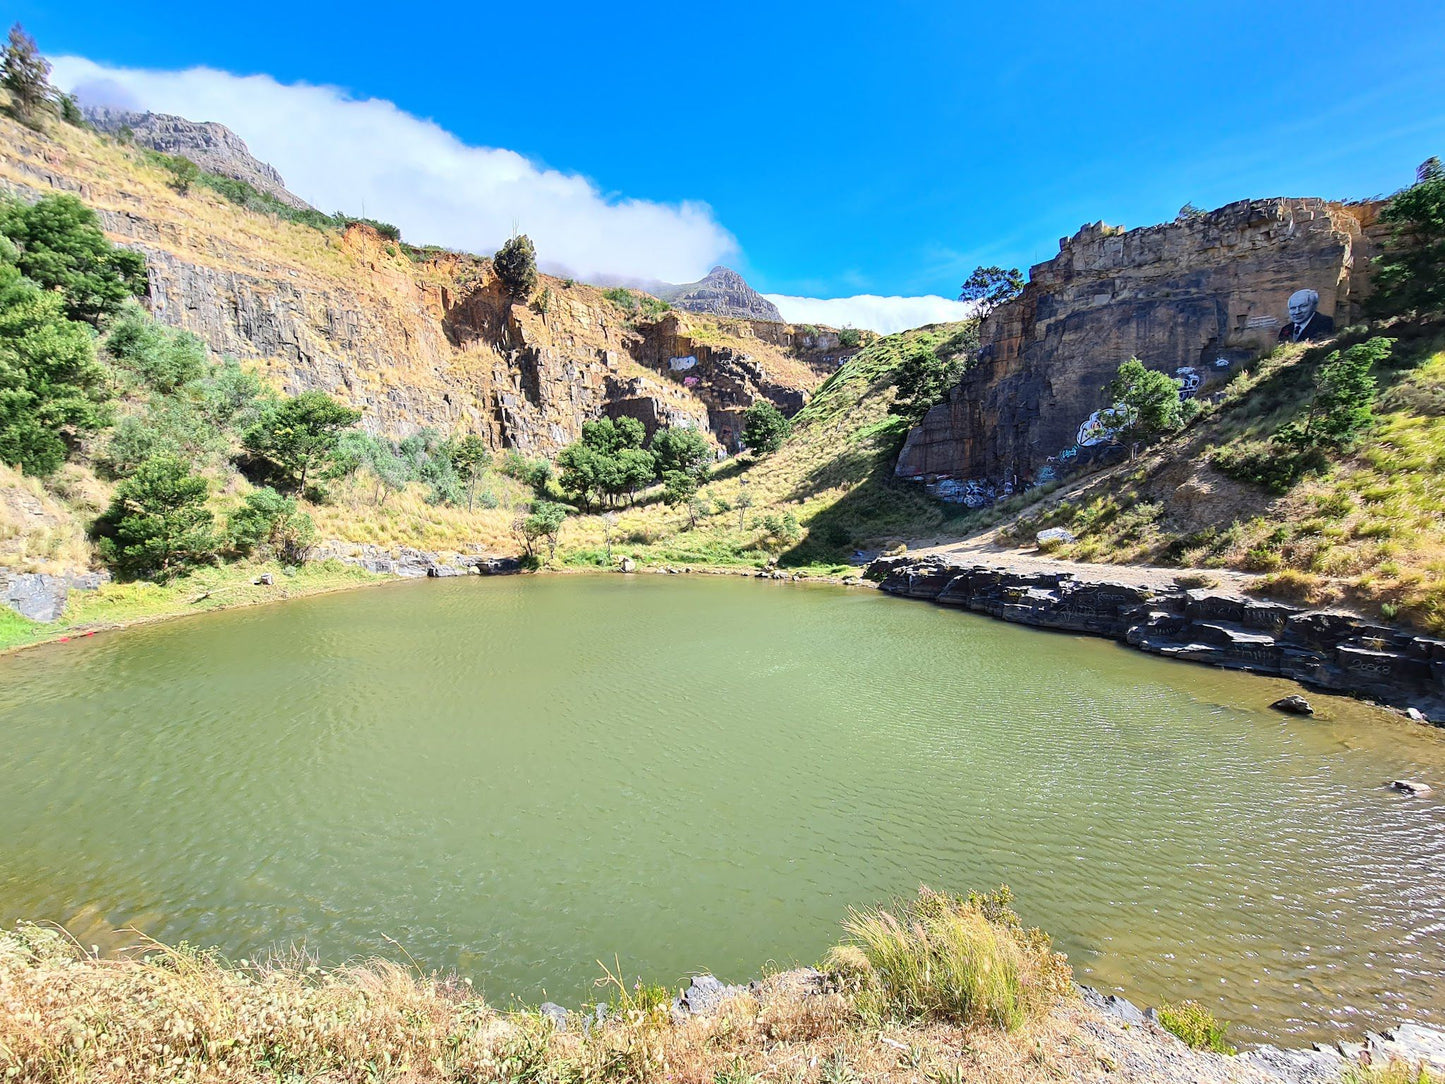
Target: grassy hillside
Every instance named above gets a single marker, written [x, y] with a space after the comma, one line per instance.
[1366, 528]
[826, 493]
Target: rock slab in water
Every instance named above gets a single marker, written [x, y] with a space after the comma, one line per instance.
[1294, 704]
[1411, 786]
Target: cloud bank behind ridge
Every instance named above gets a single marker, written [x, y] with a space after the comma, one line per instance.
[344, 153]
[368, 156]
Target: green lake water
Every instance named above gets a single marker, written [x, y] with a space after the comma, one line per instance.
[519, 777]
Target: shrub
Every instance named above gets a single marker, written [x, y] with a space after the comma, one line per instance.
[922, 381]
[764, 427]
[163, 358]
[960, 960]
[268, 525]
[158, 523]
[1196, 1026]
[542, 523]
[989, 287]
[516, 265]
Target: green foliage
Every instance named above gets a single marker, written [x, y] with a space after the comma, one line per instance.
[51, 388]
[470, 459]
[958, 960]
[922, 381]
[297, 436]
[850, 337]
[779, 530]
[1343, 404]
[1342, 408]
[60, 247]
[1147, 403]
[1189, 211]
[1410, 273]
[533, 472]
[607, 462]
[542, 523]
[516, 265]
[1196, 1026]
[184, 173]
[268, 525]
[70, 111]
[764, 427]
[26, 75]
[158, 522]
[163, 358]
[678, 448]
[631, 301]
[992, 286]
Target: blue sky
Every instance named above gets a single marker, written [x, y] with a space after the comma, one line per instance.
[857, 148]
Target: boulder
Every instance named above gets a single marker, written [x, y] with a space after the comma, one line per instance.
[627, 564]
[38, 596]
[1294, 704]
[705, 994]
[550, 1010]
[1412, 787]
[1415, 715]
[266, 579]
[1054, 536]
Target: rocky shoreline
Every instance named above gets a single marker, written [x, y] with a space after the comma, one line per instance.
[1336, 652]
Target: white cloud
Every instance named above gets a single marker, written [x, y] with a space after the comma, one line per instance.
[342, 153]
[881, 314]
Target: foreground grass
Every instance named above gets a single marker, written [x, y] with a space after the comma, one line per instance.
[116, 605]
[179, 1014]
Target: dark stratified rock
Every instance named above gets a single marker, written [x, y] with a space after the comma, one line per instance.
[213, 147]
[722, 293]
[1294, 704]
[1327, 650]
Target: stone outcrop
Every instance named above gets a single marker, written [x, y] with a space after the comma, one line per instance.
[213, 147]
[414, 564]
[1192, 298]
[722, 292]
[1321, 648]
[41, 596]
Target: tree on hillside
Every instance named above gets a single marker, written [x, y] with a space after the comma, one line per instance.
[516, 265]
[297, 436]
[989, 287]
[26, 75]
[543, 523]
[158, 523]
[470, 459]
[764, 427]
[52, 390]
[1410, 273]
[679, 448]
[60, 247]
[184, 173]
[607, 462]
[1343, 405]
[1146, 404]
[922, 380]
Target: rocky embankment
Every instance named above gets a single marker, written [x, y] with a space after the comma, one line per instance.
[410, 563]
[1334, 651]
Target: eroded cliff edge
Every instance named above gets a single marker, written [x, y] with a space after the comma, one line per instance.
[415, 337]
[1194, 298]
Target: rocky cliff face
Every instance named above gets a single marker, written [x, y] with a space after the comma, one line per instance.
[1192, 298]
[723, 292]
[428, 343]
[213, 147]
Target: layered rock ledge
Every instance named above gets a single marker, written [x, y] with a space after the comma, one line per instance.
[1334, 651]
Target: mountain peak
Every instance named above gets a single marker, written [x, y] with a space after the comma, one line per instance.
[722, 292]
